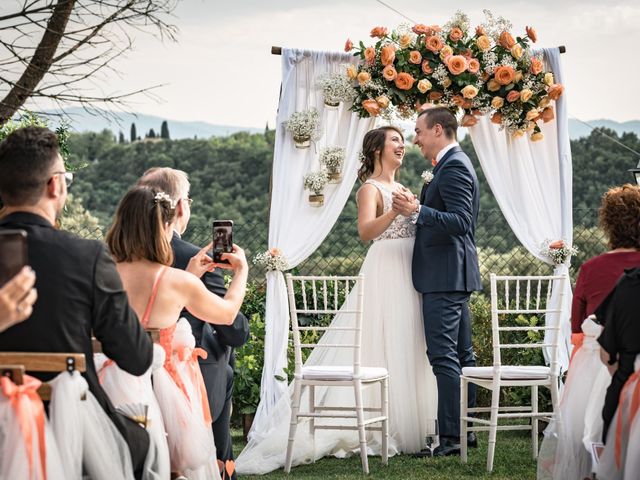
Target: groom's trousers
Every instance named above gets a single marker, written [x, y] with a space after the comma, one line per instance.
[447, 328]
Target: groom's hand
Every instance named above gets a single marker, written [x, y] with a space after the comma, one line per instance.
[404, 202]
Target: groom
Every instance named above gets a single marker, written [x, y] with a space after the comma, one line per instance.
[445, 263]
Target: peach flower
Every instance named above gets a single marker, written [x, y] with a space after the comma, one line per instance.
[526, 94]
[536, 137]
[555, 91]
[420, 29]
[518, 76]
[484, 43]
[434, 43]
[548, 79]
[504, 75]
[480, 31]
[426, 68]
[352, 72]
[424, 85]
[404, 81]
[516, 51]
[474, 65]
[455, 34]
[446, 83]
[547, 114]
[446, 52]
[457, 100]
[492, 85]
[383, 101]
[378, 32]
[497, 102]
[372, 107]
[435, 96]
[370, 55]
[536, 66]
[387, 55]
[348, 46]
[456, 64]
[532, 114]
[531, 33]
[363, 77]
[517, 134]
[468, 104]
[469, 91]
[415, 57]
[274, 252]
[506, 40]
[557, 245]
[389, 73]
[468, 121]
[496, 118]
[544, 102]
[405, 40]
[513, 95]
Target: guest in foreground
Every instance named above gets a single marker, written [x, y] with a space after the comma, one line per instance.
[79, 289]
[17, 297]
[217, 340]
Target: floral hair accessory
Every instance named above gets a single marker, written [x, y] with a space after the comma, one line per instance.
[164, 197]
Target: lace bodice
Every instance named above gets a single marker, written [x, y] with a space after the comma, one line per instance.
[401, 227]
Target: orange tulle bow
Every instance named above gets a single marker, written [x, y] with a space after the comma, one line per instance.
[196, 375]
[633, 410]
[577, 339]
[28, 406]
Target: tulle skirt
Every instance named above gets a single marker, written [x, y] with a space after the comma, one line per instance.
[392, 337]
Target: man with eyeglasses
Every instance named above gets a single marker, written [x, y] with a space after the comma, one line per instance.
[79, 289]
[217, 340]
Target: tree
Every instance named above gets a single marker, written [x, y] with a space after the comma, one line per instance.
[134, 134]
[121, 137]
[151, 134]
[76, 40]
[164, 130]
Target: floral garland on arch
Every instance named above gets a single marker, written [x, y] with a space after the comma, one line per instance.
[485, 71]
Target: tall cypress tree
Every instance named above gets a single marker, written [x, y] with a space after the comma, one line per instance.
[134, 133]
[121, 137]
[164, 130]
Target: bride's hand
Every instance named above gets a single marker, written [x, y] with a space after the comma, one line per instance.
[201, 262]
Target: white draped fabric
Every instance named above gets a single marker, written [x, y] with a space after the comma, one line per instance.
[532, 184]
[295, 227]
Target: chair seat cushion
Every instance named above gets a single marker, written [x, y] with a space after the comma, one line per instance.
[336, 372]
[509, 372]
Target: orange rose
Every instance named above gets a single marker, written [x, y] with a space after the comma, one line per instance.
[468, 104]
[483, 42]
[555, 91]
[536, 66]
[531, 33]
[504, 75]
[517, 134]
[457, 100]
[544, 102]
[378, 32]
[405, 40]
[415, 57]
[363, 77]
[532, 114]
[446, 83]
[516, 51]
[274, 252]
[468, 121]
[387, 55]
[536, 137]
[526, 94]
[424, 85]
[512, 96]
[557, 245]
[372, 107]
[455, 34]
[435, 96]
[404, 81]
[426, 68]
[547, 114]
[474, 65]
[496, 118]
[389, 73]
[420, 29]
[469, 91]
[383, 101]
[370, 55]
[506, 40]
[445, 52]
[352, 72]
[348, 46]
[480, 31]
[518, 76]
[492, 85]
[434, 43]
[456, 64]
[497, 102]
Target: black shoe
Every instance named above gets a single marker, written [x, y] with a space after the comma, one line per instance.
[472, 440]
[448, 446]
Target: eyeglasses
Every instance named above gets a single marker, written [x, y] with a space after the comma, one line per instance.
[188, 199]
[68, 177]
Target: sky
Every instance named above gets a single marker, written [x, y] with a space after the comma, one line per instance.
[221, 70]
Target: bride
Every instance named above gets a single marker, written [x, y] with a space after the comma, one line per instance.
[392, 334]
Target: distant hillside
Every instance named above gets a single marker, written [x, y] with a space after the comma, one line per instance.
[578, 129]
[81, 121]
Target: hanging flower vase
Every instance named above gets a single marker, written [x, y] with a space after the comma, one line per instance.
[335, 176]
[331, 105]
[302, 142]
[316, 200]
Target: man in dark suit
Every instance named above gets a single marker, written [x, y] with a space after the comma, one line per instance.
[217, 340]
[79, 289]
[445, 263]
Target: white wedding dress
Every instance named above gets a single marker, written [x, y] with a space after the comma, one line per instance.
[392, 337]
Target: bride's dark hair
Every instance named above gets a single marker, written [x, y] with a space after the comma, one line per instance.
[372, 144]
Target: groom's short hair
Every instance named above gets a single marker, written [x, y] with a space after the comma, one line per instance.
[174, 183]
[444, 117]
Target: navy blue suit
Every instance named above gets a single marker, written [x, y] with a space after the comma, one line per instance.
[445, 270]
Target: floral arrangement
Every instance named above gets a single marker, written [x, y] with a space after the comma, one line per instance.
[316, 181]
[336, 88]
[304, 125]
[427, 176]
[485, 71]
[332, 158]
[271, 260]
[557, 251]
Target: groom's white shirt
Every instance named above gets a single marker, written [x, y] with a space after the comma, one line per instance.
[444, 151]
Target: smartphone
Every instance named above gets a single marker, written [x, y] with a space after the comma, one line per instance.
[222, 239]
[13, 253]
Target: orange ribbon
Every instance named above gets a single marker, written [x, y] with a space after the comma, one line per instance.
[226, 468]
[577, 339]
[28, 407]
[196, 375]
[102, 371]
[633, 410]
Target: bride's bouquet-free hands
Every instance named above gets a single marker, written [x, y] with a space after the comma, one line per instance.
[404, 201]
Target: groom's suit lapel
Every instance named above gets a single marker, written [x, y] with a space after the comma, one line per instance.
[436, 169]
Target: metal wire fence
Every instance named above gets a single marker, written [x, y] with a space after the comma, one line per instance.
[342, 252]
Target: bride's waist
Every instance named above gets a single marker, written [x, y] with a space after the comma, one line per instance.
[410, 239]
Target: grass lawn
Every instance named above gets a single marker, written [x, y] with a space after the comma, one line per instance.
[513, 460]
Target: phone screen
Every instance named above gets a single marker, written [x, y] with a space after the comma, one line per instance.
[222, 239]
[13, 253]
